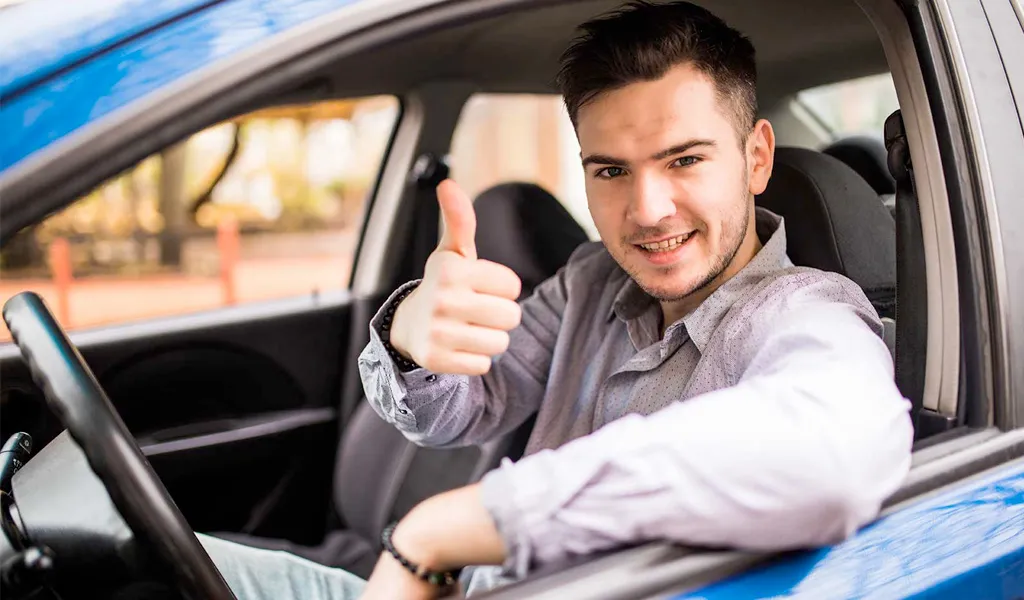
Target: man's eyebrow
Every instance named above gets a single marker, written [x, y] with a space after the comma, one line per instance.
[604, 159]
[680, 148]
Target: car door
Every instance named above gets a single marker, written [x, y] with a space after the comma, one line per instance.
[217, 315]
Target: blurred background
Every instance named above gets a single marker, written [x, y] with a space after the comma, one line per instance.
[269, 205]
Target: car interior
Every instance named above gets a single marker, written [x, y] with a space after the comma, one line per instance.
[253, 416]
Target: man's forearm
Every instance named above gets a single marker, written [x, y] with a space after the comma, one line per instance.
[449, 531]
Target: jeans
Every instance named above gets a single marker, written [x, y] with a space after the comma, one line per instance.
[257, 574]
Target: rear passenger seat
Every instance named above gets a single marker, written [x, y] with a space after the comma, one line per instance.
[867, 156]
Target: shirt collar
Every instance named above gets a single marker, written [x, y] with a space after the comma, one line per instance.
[631, 301]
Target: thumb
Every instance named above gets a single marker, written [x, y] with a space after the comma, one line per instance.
[459, 220]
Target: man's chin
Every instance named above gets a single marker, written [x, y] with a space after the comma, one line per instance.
[666, 287]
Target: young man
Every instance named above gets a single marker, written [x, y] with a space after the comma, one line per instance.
[692, 384]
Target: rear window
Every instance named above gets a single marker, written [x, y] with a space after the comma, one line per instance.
[853, 107]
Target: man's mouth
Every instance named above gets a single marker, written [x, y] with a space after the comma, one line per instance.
[667, 245]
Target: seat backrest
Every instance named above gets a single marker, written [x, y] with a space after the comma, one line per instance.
[835, 222]
[867, 156]
[522, 226]
[379, 475]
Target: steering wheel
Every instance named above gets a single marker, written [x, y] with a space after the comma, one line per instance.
[73, 393]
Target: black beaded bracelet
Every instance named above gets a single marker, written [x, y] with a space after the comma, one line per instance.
[403, 363]
[443, 579]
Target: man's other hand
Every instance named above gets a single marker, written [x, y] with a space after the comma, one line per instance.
[459, 317]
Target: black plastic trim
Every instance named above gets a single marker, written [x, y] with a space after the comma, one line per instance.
[930, 423]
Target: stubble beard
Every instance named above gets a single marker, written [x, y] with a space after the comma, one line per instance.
[733, 234]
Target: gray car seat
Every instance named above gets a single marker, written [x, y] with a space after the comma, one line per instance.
[379, 475]
[835, 222]
[868, 157]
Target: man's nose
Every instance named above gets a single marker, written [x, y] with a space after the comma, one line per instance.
[651, 202]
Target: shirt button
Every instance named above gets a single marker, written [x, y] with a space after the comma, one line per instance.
[431, 378]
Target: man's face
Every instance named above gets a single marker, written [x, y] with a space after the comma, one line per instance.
[670, 183]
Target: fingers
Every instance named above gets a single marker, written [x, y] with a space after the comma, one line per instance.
[459, 220]
[480, 309]
[494, 279]
[459, 337]
[458, 363]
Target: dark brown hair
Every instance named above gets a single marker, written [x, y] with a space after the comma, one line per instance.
[642, 41]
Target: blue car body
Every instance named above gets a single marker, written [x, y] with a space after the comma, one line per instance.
[63, 68]
[967, 542]
[58, 77]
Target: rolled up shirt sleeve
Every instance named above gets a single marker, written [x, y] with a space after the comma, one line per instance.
[385, 385]
[800, 453]
[443, 410]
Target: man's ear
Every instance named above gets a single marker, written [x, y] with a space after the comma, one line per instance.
[760, 155]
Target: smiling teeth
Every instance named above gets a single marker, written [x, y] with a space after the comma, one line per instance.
[665, 245]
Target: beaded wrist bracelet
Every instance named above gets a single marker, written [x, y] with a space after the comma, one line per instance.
[443, 579]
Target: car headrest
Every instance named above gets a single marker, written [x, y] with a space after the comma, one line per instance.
[834, 221]
[866, 156]
[522, 226]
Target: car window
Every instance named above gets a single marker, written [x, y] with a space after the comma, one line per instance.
[265, 206]
[853, 107]
[520, 137]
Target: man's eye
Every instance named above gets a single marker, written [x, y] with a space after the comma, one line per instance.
[610, 172]
[685, 161]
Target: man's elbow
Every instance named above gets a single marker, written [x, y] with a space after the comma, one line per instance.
[852, 497]
[840, 512]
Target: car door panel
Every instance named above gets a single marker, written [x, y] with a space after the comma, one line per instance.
[236, 409]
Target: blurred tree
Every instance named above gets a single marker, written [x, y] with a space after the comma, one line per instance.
[174, 162]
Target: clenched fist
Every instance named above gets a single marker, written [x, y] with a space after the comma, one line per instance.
[459, 316]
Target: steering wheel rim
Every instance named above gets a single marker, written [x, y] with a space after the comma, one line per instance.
[74, 394]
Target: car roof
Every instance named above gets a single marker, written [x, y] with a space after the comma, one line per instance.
[45, 36]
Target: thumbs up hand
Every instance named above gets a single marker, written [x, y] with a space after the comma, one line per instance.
[459, 316]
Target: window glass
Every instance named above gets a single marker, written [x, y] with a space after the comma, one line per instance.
[520, 137]
[854, 107]
[265, 206]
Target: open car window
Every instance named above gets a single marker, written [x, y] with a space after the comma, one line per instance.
[265, 206]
